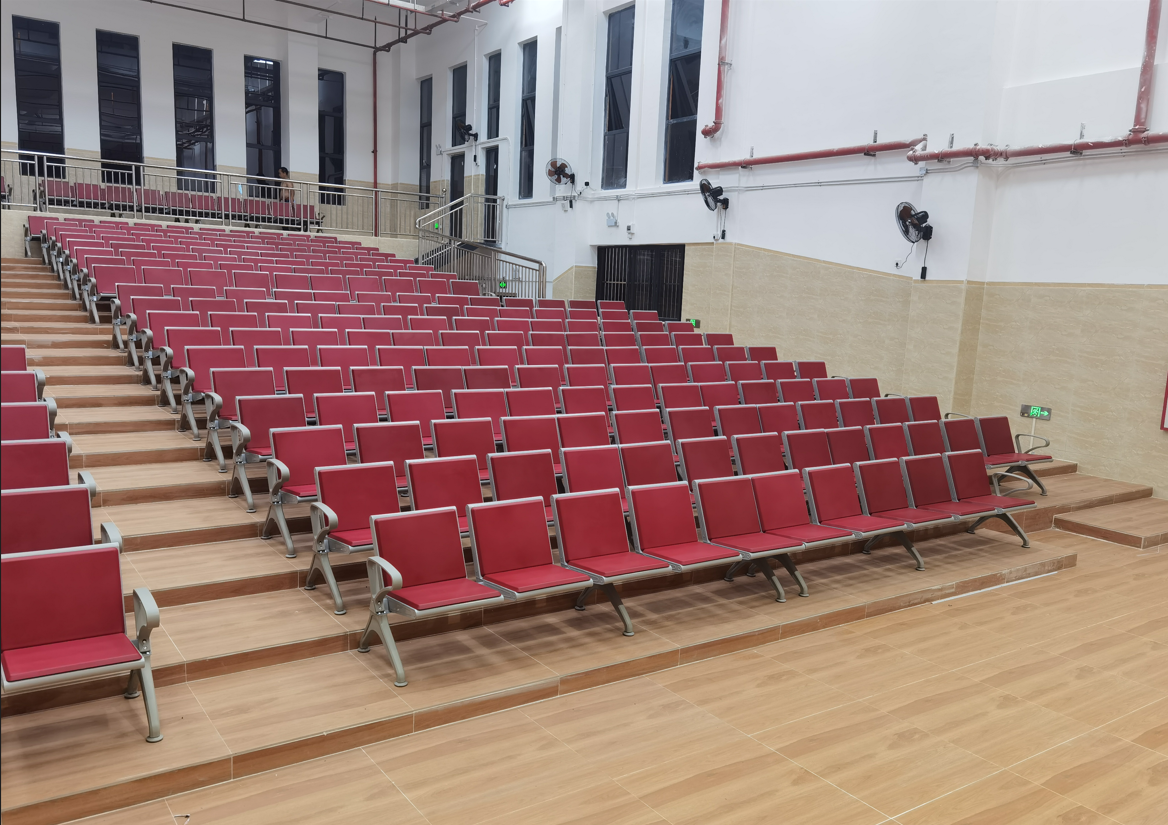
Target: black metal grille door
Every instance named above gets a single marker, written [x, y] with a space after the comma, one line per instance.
[644, 277]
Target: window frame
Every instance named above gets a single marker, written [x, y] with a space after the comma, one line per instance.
[26, 124]
[186, 180]
[252, 99]
[671, 136]
[458, 77]
[425, 139]
[607, 180]
[527, 51]
[119, 131]
[494, 72]
[329, 191]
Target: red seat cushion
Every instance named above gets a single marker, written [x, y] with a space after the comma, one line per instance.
[619, 564]
[354, 538]
[1005, 502]
[526, 579]
[1014, 458]
[863, 524]
[910, 515]
[692, 552]
[68, 657]
[260, 450]
[757, 542]
[443, 594]
[300, 490]
[959, 508]
[810, 533]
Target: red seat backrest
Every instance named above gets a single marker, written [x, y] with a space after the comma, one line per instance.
[280, 359]
[626, 397]
[45, 518]
[881, 485]
[996, 438]
[522, 474]
[444, 482]
[925, 437]
[927, 480]
[831, 389]
[537, 432]
[806, 448]
[961, 434]
[688, 422]
[887, 441]
[778, 418]
[309, 381]
[461, 339]
[648, 463]
[925, 408]
[726, 507]
[18, 387]
[848, 445]
[539, 376]
[638, 426]
[622, 354]
[587, 355]
[509, 535]
[759, 453]
[795, 390]
[423, 546]
[499, 357]
[400, 356]
[891, 410]
[452, 356]
[230, 383]
[864, 387]
[201, 360]
[24, 421]
[356, 492]
[421, 406]
[398, 442]
[42, 462]
[779, 370]
[490, 404]
[780, 500]
[531, 401]
[737, 420]
[705, 458]
[49, 598]
[592, 468]
[680, 395]
[763, 353]
[345, 410]
[464, 436]
[811, 369]
[740, 371]
[855, 412]
[345, 358]
[967, 474]
[661, 355]
[758, 392]
[583, 429]
[443, 379]
[719, 394]
[832, 492]
[585, 399]
[730, 353]
[590, 524]
[415, 338]
[249, 339]
[303, 449]
[702, 353]
[379, 381]
[662, 515]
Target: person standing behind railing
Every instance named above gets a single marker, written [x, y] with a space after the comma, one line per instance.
[287, 192]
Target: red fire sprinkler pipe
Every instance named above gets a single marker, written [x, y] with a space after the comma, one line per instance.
[842, 151]
[1144, 92]
[720, 94]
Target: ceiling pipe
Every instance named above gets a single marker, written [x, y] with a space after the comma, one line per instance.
[1076, 147]
[720, 94]
[843, 151]
[1144, 92]
[453, 17]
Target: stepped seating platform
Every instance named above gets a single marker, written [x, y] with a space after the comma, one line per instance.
[1140, 523]
[255, 673]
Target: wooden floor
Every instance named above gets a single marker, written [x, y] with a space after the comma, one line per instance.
[1141, 523]
[258, 677]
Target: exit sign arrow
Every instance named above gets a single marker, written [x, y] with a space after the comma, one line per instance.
[1034, 411]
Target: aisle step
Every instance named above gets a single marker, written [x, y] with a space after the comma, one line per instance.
[102, 395]
[129, 448]
[42, 358]
[1142, 523]
[100, 420]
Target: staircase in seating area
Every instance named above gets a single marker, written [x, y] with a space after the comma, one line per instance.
[255, 673]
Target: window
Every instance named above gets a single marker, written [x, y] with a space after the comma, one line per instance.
[36, 51]
[457, 191]
[618, 83]
[494, 68]
[425, 133]
[261, 101]
[119, 105]
[491, 187]
[457, 106]
[194, 117]
[681, 112]
[331, 140]
[527, 121]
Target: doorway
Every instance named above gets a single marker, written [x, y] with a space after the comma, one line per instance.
[644, 277]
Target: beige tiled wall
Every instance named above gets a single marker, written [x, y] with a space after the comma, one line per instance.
[1097, 355]
[575, 282]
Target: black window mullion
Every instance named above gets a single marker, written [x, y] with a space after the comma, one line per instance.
[457, 106]
[494, 71]
[617, 99]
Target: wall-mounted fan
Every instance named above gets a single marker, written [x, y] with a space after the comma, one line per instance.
[914, 226]
[712, 195]
[559, 172]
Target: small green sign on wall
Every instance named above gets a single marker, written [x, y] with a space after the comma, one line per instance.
[1034, 411]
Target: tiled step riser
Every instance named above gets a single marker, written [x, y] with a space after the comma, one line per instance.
[38, 303]
[1044, 517]
[142, 400]
[111, 427]
[1113, 536]
[36, 341]
[25, 319]
[81, 461]
[85, 379]
[110, 358]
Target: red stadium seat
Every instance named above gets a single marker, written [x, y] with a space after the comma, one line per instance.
[296, 453]
[445, 482]
[663, 528]
[395, 442]
[250, 434]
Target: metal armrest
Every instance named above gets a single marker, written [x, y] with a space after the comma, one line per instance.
[110, 534]
[51, 404]
[147, 341]
[1029, 483]
[186, 377]
[278, 473]
[64, 436]
[957, 415]
[40, 383]
[323, 520]
[375, 566]
[894, 395]
[146, 617]
[165, 357]
[115, 311]
[240, 438]
[1018, 444]
[214, 403]
[85, 477]
[131, 321]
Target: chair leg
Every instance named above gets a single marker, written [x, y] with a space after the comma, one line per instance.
[148, 374]
[213, 446]
[132, 346]
[168, 391]
[321, 564]
[907, 544]
[734, 570]
[584, 594]
[116, 338]
[615, 599]
[276, 514]
[764, 565]
[239, 475]
[867, 551]
[379, 625]
[131, 692]
[788, 563]
[1026, 471]
[189, 411]
[1015, 526]
[151, 702]
[978, 524]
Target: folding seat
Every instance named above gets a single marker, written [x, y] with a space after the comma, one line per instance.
[529, 401]
[445, 482]
[830, 389]
[701, 372]
[64, 616]
[228, 321]
[618, 334]
[758, 392]
[603, 305]
[683, 335]
[794, 391]
[308, 381]
[296, 453]
[638, 426]
[763, 353]
[806, 448]
[817, 415]
[487, 403]
[205, 306]
[346, 410]
[362, 283]
[422, 406]
[342, 324]
[501, 356]
[314, 309]
[680, 395]
[443, 379]
[592, 399]
[314, 339]
[465, 436]
[588, 375]
[586, 340]
[1000, 450]
[737, 420]
[887, 441]
[746, 371]
[527, 433]
[524, 474]
[43, 462]
[848, 445]
[166, 277]
[526, 303]
[631, 375]
[691, 354]
[215, 278]
[288, 280]
[622, 355]
[587, 356]
[319, 283]
[121, 310]
[583, 429]
[661, 355]
[103, 283]
[924, 437]
[721, 339]
[759, 453]
[280, 358]
[855, 412]
[663, 528]
[863, 387]
[970, 485]
[18, 387]
[154, 340]
[195, 377]
[779, 371]
[405, 357]
[782, 510]
[810, 369]
[402, 312]
[286, 322]
[704, 458]
[480, 325]
[835, 502]
[730, 353]
[891, 410]
[479, 310]
[924, 408]
[511, 323]
[446, 313]
[465, 339]
[363, 310]
[393, 285]
[658, 342]
[548, 327]
[583, 321]
[593, 468]
[689, 422]
[396, 442]
[264, 308]
[486, 378]
[370, 339]
[416, 298]
[718, 394]
[243, 276]
[250, 434]
[729, 518]
[241, 295]
[293, 296]
[448, 357]
[460, 301]
[415, 338]
[226, 385]
[532, 376]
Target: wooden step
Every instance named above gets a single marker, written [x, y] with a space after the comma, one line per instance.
[86, 375]
[45, 307]
[154, 524]
[93, 337]
[1068, 493]
[1055, 468]
[42, 359]
[168, 481]
[88, 758]
[134, 448]
[1142, 523]
[100, 420]
[102, 395]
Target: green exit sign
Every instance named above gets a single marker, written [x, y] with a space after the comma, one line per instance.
[695, 322]
[1032, 411]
